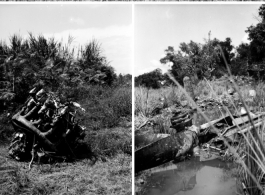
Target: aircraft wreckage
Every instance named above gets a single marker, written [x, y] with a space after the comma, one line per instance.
[154, 149]
[45, 127]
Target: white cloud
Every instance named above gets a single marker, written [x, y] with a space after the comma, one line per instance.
[245, 39]
[142, 71]
[169, 15]
[78, 21]
[154, 64]
[83, 36]
[164, 67]
[115, 42]
[119, 52]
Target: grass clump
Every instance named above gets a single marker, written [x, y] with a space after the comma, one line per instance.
[110, 177]
[110, 142]
[106, 107]
[146, 99]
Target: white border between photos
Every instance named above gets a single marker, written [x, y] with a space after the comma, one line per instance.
[133, 95]
[169, 2]
[135, 4]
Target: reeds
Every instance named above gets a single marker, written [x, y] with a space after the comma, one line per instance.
[250, 156]
[146, 99]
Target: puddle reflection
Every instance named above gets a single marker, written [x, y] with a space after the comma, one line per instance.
[192, 178]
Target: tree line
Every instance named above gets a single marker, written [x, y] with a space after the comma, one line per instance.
[208, 59]
[37, 61]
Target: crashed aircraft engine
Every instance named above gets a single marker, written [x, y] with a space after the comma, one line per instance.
[45, 128]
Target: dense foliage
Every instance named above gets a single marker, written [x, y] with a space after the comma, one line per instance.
[40, 62]
[151, 79]
[252, 55]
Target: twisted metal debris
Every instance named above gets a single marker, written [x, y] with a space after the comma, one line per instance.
[45, 127]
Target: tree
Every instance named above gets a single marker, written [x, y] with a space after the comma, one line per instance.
[257, 38]
[182, 65]
[200, 60]
[150, 80]
[96, 65]
[250, 57]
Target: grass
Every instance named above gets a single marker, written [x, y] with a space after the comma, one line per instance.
[106, 107]
[81, 177]
[252, 169]
[147, 100]
[110, 142]
[108, 172]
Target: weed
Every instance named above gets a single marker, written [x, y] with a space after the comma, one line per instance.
[110, 177]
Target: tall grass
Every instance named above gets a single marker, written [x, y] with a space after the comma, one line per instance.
[110, 177]
[106, 107]
[146, 100]
[252, 168]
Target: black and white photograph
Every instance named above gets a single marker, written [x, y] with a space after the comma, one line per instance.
[199, 99]
[65, 99]
[132, 97]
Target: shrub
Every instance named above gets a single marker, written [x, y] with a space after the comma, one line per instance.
[105, 106]
[109, 142]
[121, 102]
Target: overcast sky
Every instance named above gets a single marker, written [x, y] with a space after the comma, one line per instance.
[160, 26]
[111, 25]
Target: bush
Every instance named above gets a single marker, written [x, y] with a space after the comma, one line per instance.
[121, 102]
[109, 142]
[105, 106]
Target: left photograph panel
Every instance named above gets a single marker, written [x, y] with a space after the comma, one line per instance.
[65, 99]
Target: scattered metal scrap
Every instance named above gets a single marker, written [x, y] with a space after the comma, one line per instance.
[211, 137]
[45, 127]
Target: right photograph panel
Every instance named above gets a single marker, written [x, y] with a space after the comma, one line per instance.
[199, 99]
